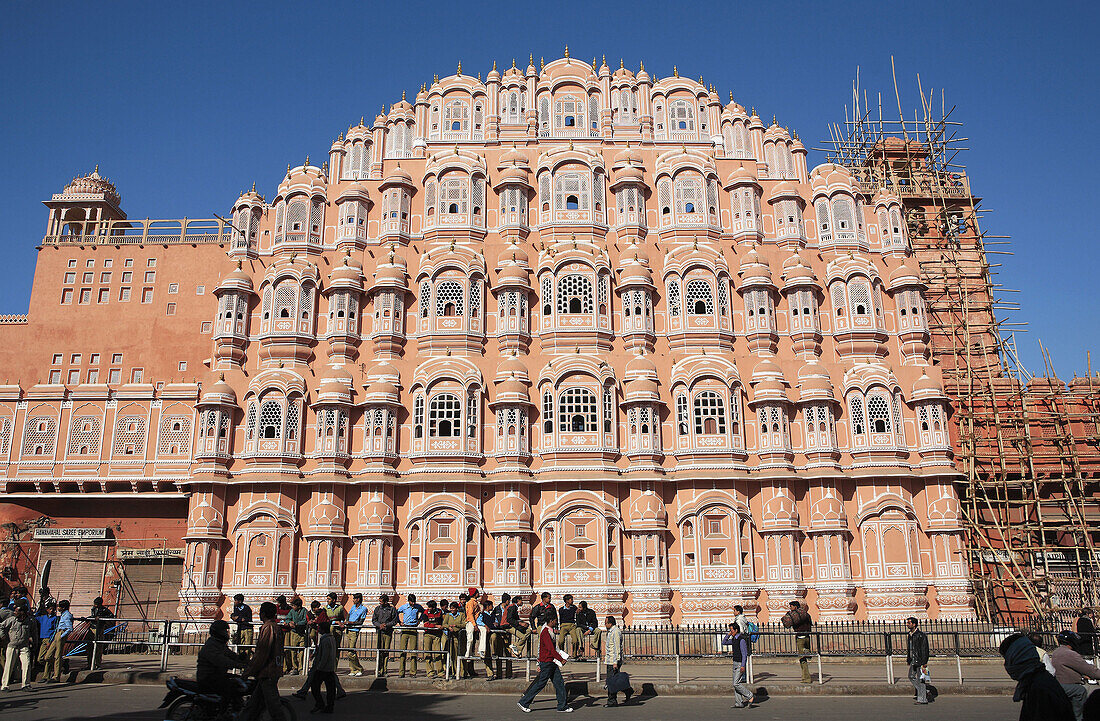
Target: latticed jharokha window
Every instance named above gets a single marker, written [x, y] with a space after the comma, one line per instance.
[574, 294]
[271, 419]
[673, 299]
[878, 414]
[445, 416]
[700, 300]
[570, 191]
[577, 411]
[448, 299]
[681, 115]
[710, 413]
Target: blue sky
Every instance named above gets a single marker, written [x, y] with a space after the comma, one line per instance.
[184, 105]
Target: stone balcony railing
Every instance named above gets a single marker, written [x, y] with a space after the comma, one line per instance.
[146, 232]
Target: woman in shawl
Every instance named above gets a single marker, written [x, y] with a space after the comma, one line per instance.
[1042, 696]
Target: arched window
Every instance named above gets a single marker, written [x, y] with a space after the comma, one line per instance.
[456, 118]
[425, 299]
[568, 112]
[418, 416]
[570, 191]
[271, 419]
[574, 294]
[284, 300]
[673, 299]
[855, 408]
[448, 299]
[710, 413]
[843, 215]
[860, 298]
[471, 413]
[453, 196]
[681, 115]
[878, 414]
[700, 298]
[682, 414]
[547, 411]
[547, 295]
[689, 195]
[577, 411]
[445, 416]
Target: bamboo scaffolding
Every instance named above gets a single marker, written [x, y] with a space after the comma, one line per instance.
[1028, 448]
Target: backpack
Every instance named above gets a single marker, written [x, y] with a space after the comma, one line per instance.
[753, 632]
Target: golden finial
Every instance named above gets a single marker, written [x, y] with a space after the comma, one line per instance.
[361, 118]
[253, 186]
[435, 78]
[513, 63]
[754, 110]
[460, 68]
[479, 76]
[570, 144]
[700, 79]
[566, 52]
[594, 67]
[402, 94]
[731, 96]
[288, 170]
[96, 168]
[423, 87]
[221, 376]
[603, 59]
[307, 162]
[542, 64]
[494, 65]
[324, 168]
[341, 138]
[238, 264]
[773, 119]
[456, 148]
[620, 63]
[675, 72]
[641, 66]
[531, 59]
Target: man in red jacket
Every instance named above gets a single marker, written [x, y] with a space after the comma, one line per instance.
[550, 663]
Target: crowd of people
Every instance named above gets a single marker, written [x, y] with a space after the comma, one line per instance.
[1054, 685]
[34, 639]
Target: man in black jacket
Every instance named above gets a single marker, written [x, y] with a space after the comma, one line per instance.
[542, 611]
[916, 655]
[214, 662]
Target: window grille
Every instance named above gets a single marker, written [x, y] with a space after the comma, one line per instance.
[429, 195]
[293, 411]
[175, 436]
[271, 419]
[448, 299]
[574, 294]
[475, 296]
[688, 195]
[593, 112]
[602, 284]
[673, 299]
[425, 299]
[700, 300]
[130, 435]
[471, 413]
[860, 298]
[837, 296]
[577, 411]
[84, 436]
[681, 115]
[878, 414]
[39, 436]
[723, 297]
[547, 411]
[608, 409]
[316, 217]
[418, 416]
[453, 195]
[250, 424]
[547, 294]
[445, 416]
[855, 407]
[842, 212]
[570, 189]
[710, 413]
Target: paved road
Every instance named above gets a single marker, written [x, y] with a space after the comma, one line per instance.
[93, 702]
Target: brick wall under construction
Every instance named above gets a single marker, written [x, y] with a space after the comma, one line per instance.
[1027, 446]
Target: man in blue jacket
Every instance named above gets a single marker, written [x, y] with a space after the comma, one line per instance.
[740, 650]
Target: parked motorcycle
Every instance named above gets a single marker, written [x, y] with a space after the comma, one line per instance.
[187, 701]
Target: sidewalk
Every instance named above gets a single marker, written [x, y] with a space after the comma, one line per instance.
[780, 676]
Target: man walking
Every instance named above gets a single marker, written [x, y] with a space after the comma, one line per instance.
[383, 619]
[20, 630]
[798, 620]
[266, 666]
[916, 656]
[617, 680]
[740, 652]
[410, 613]
[567, 625]
[1072, 670]
[551, 659]
[56, 650]
[323, 669]
[242, 616]
[740, 618]
[356, 634]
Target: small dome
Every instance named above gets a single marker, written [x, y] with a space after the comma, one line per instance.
[641, 366]
[741, 176]
[905, 275]
[627, 174]
[392, 272]
[627, 156]
[513, 174]
[325, 519]
[779, 513]
[236, 279]
[511, 365]
[927, 388]
[647, 512]
[512, 156]
[944, 513]
[510, 512]
[375, 517]
[397, 176]
[641, 389]
[784, 189]
[796, 273]
[345, 275]
[92, 184]
[219, 393]
[355, 191]
[814, 382]
[827, 513]
[204, 521]
[754, 270]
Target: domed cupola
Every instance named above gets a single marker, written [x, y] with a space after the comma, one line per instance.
[642, 402]
[234, 292]
[247, 213]
[512, 406]
[647, 513]
[637, 292]
[86, 207]
[758, 291]
[802, 290]
[513, 292]
[388, 293]
[216, 408]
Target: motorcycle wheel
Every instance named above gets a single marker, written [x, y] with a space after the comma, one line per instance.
[288, 712]
[185, 709]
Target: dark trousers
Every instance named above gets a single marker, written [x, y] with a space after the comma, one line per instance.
[548, 671]
[329, 679]
[265, 696]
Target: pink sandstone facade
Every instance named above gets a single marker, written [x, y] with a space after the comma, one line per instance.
[567, 329]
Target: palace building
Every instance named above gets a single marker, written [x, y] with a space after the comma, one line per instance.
[570, 328]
